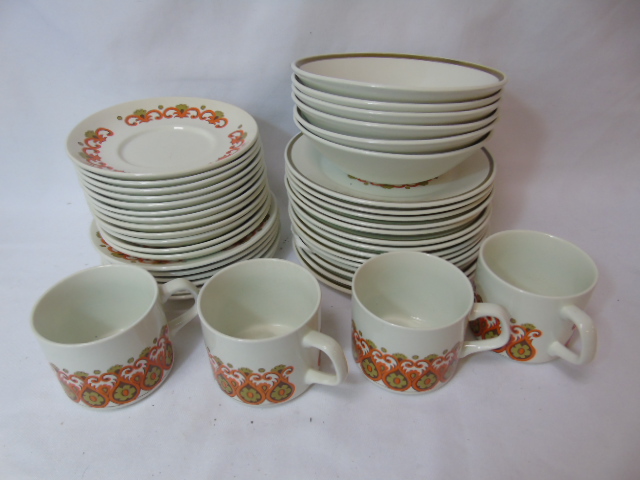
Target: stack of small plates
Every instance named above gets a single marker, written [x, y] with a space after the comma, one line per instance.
[339, 222]
[391, 156]
[176, 185]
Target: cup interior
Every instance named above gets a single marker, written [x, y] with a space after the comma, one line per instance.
[258, 299]
[413, 289]
[94, 304]
[538, 263]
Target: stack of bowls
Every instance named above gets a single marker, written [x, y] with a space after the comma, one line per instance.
[176, 185]
[391, 156]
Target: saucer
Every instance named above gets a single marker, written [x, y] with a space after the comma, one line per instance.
[312, 168]
[163, 137]
[269, 223]
[187, 252]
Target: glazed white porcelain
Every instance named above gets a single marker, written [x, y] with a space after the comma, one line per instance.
[197, 189]
[410, 313]
[390, 131]
[545, 283]
[394, 118]
[377, 242]
[435, 145]
[312, 168]
[261, 325]
[105, 333]
[161, 138]
[195, 250]
[176, 184]
[394, 169]
[398, 78]
[390, 226]
[400, 218]
[108, 201]
[188, 236]
[270, 223]
[391, 106]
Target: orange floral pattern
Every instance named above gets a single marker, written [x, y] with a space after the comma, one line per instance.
[254, 388]
[400, 373]
[520, 346]
[121, 384]
[390, 186]
[92, 143]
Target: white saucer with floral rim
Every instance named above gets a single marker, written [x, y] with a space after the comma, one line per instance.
[160, 138]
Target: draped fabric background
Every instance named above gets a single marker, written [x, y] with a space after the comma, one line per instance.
[566, 148]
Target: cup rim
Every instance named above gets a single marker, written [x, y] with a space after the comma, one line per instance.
[435, 258]
[495, 276]
[272, 260]
[101, 340]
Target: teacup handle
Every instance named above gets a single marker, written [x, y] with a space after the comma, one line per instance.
[328, 345]
[174, 286]
[588, 337]
[488, 310]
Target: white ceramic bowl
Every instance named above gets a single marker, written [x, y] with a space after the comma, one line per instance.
[398, 78]
[392, 168]
[397, 118]
[391, 106]
[389, 131]
[430, 145]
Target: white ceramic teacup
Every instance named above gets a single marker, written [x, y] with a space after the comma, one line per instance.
[410, 315]
[105, 333]
[544, 282]
[260, 320]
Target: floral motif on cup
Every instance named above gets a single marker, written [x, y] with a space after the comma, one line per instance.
[401, 373]
[520, 346]
[253, 388]
[121, 384]
[390, 186]
[93, 139]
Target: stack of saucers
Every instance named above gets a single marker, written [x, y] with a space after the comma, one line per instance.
[391, 156]
[176, 185]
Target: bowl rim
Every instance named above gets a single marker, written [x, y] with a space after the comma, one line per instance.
[298, 64]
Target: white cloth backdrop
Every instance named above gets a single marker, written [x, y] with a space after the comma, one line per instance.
[566, 146]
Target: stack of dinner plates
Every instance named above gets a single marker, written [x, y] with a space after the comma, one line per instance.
[176, 185]
[391, 156]
[339, 222]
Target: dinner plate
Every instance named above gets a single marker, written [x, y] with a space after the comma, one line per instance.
[350, 257]
[367, 245]
[342, 286]
[312, 168]
[388, 228]
[162, 137]
[269, 224]
[402, 218]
